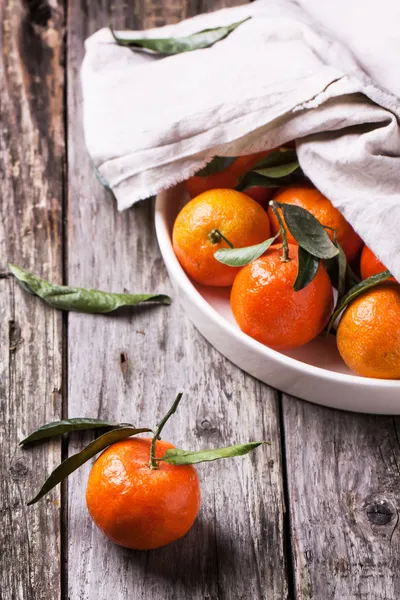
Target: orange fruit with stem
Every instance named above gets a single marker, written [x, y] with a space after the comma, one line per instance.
[267, 308]
[228, 178]
[322, 209]
[370, 264]
[142, 493]
[139, 507]
[368, 337]
[216, 219]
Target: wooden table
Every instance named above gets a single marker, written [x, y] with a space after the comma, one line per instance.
[312, 517]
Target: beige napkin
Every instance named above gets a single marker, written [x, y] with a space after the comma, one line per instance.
[323, 73]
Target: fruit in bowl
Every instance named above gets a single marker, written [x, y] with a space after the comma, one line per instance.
[216, 219]
[282, 285]
[266, 306]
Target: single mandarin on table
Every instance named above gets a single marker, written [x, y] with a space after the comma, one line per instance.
[195, 239]
[267, 308]
[139, 507]
[322, 209]
[228, 178]
[368, 335]
[370, 264]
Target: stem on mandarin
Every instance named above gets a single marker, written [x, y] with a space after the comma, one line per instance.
[285, 246]
[215, 236]
[153, 461]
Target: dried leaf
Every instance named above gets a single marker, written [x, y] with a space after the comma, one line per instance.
[170, 46]
[79, 299]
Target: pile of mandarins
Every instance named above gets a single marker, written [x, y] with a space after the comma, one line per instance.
[267, 242]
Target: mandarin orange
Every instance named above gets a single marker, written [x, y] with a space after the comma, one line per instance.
[370, 264]
[139, 507]
[260, 194]
[267, 308]
[241, 220]
[322, 209]
[368, 336]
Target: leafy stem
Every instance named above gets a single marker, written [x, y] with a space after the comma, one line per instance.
[215, 236]
[285, 247]
[153, 461]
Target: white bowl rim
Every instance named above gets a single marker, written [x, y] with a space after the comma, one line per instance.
[164, 240]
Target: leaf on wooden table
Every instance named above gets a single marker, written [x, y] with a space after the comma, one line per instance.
[79, 299]
[216, 165]
[239, 257]
[75, 461]
[308, 231]
[355, 292]
[170, 46]
[68, 425]
[307, 269]
[174, 456]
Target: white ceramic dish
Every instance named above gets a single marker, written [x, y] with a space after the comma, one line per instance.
[314, 372]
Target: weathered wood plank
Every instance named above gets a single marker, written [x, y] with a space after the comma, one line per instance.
[344, 489]
[235, 550]
[31, 172]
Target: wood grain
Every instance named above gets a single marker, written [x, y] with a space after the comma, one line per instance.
[131, 367]
[344, 489]
[31, 175]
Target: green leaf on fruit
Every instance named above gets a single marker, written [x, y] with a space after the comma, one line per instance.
[253, 179]
[280, 157]
[174, 456]
[358, 289]
[239, 257]
[279, 171]
[216, 165]
[169, 46]
[308, 231]
[307, 269]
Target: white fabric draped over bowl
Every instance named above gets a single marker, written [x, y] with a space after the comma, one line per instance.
[324, 73]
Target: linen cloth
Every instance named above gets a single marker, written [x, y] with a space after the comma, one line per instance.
[323, 72]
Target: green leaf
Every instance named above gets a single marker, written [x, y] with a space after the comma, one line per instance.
[79, 299]
[239, 257]
[358, 289]
[75, 461]
[103, 181]
[169, 46]
[253, 179]
[283, 156]
[174, 456]
[342, 269]
[279, 170]
[67, 425]
[351, 278]
[308, 231]
[307, 270]
[217, 164]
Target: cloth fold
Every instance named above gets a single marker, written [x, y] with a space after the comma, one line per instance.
[296, 70]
